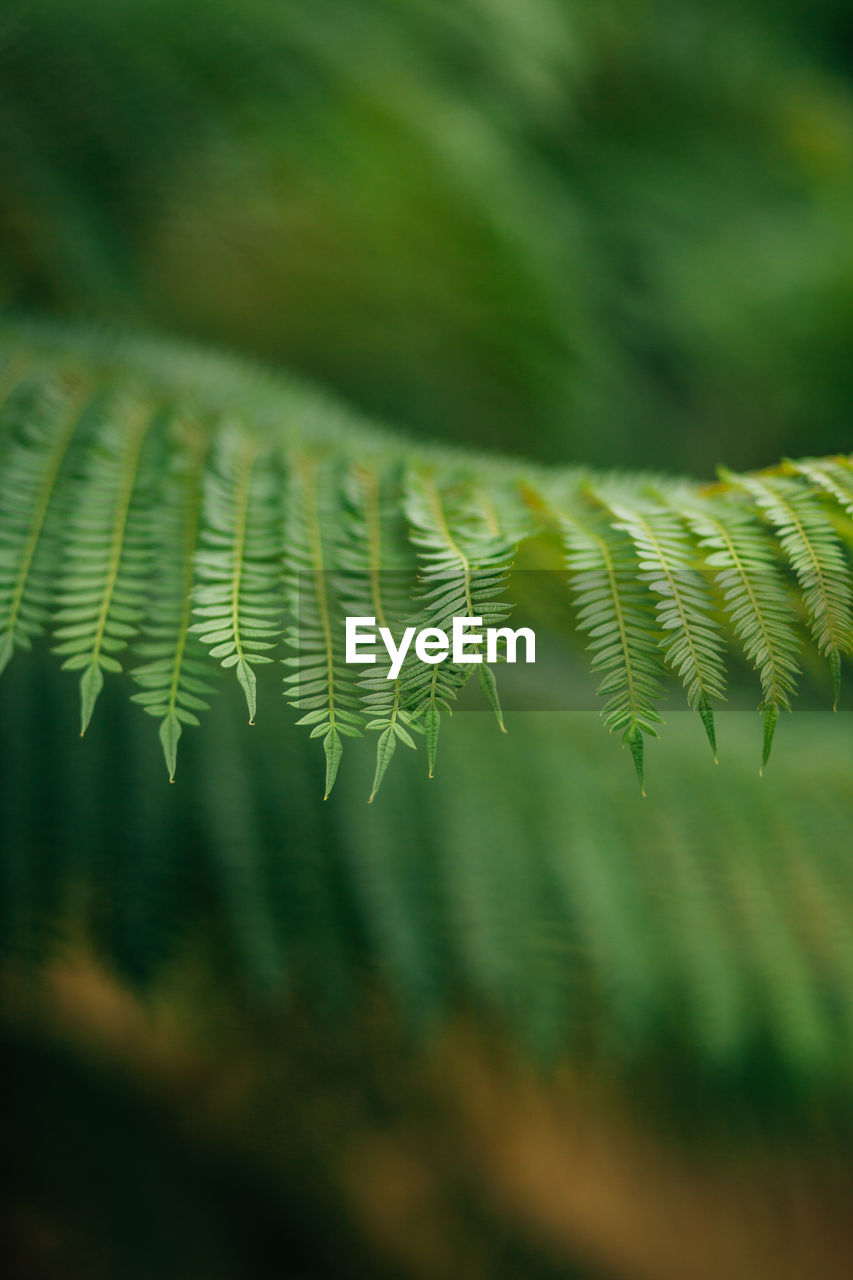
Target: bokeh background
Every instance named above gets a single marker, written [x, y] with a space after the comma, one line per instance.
[519, 1023]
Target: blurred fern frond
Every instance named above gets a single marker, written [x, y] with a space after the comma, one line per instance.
[151, 497]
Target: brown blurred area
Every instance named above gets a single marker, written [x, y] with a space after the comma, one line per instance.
[435, 1162]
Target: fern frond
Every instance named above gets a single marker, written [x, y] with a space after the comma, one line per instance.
[614, 608]
[171, 680]
[103, 540]
[321, 685]
[236, 600]
[464, 559]
[107, 546]
[377, 580]
[815, 554]
[32, 463]
[746, 571]
[692, 639]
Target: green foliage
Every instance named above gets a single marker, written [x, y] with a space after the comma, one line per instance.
[834, 475]
[172, 679]
[31, 465]
[159, 499]
[700, 937]
[590, 219]
[321, 685]
[464, 556]
[237, 597]
[816, 556]
[377, 581]
[616, 610]
[106, 546]
[692, 638]
[744, 563]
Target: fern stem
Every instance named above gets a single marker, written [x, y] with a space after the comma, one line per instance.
[374, 543]
[441, 519]
[309, 472]
[191, 537]
[244, 484]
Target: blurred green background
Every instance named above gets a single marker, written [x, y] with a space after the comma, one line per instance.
[517, 1023]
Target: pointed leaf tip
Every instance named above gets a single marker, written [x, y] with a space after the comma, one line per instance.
[91, 684]
[490, 688]
[835, 671]
[385, 747]
[432, 724]
[248, 683]
[633, 738]
[771, 717]
[706, 714]
[170, 732]
[333, 748]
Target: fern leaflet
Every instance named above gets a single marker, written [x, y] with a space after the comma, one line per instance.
[320, 685]
[692, 641]
[463, 570]
[815, 554]
[236, 597]
[614, 608]
[171, 681]
[376, 580]
[104, 578]
[746, 573]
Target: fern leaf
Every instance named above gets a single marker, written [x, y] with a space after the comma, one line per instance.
[86, 499]
[692, 641]
[32, 465]
[321, 685]
[377, 578]
[815, 554]
[614, 609]
[742, 560]
[236, 600]
[104, 578]
[171, 680]
[464, 559]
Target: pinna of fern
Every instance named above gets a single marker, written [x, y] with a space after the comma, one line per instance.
[105, 551]
[464, 557]
[615, 609]
[692, 638]
[175, 516]
[377, 578]
[172, 678]
[236, 597]
[320, 685]
[815, 554]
